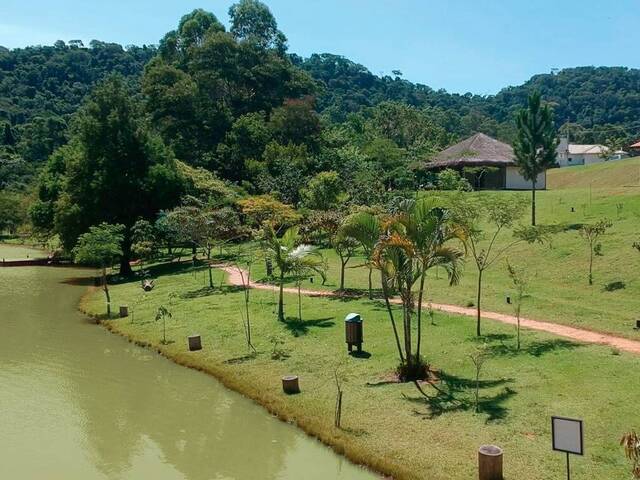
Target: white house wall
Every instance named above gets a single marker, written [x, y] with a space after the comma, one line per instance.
[515, 181]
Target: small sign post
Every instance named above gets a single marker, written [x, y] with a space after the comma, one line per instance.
[568, 437]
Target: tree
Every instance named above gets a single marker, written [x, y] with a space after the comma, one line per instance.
[366, 228]
[296, 122]
[389, 160]
[100, 246]
[289, 257]
[432, 230]
[206, 79]
[478, 357]
[163, 314]
[12, 211]
[591, 233]
[497, 213]
[115, 170]
[252, 21]
[263, 209]
[144, 241]
[324, 191]
[206, 227]
[8, 138]
[243, 261]
[520, 283]
[345, 247]
[415, 240]
[535, 145]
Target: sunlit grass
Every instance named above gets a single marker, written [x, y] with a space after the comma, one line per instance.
[391, 426]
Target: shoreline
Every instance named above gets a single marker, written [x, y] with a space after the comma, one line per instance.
[339, 445]
[378, 414]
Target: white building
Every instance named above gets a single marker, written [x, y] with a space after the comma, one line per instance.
[570, 154]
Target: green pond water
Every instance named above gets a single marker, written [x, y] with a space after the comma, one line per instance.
[77, 402]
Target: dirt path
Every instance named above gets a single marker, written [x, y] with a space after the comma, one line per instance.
[577, 334]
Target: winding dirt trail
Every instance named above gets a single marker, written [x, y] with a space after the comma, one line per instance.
[572, 333]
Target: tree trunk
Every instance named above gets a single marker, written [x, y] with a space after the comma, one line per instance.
[420, 297]
[281, 298]
[479, 296]
[477, 389]
[343, 264]
[209, 266]
[106, 290]
[370, 288]
[299, 302]
[407, 338]
[533, 203]
[393, 322]
[591, 264]
[125, 267]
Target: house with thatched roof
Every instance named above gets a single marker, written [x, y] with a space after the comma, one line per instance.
[486, 162]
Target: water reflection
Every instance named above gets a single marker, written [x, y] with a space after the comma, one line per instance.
[79, 403]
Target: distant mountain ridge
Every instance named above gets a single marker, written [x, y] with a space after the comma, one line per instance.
[594, 103]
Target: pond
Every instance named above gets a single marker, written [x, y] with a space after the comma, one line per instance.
[80, 403]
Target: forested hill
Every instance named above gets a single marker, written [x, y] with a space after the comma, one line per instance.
[51, 81]
[594, 103]
[46, 80]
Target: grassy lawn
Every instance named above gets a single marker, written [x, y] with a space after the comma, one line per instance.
[559, 291]
[14, 251]
[386, 425]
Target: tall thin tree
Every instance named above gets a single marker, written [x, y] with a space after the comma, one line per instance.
[536, 143]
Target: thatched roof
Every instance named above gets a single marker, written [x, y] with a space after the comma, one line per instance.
[477, 151]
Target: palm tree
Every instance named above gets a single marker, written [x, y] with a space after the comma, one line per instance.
[536, 143]
[431, 228]
[289, 258]
[414, 242]
[365, 228]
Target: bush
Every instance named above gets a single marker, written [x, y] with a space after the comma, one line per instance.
[449, 179]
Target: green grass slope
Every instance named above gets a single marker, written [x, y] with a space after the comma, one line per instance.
[559, 290]
[616, 175]
[387, 425]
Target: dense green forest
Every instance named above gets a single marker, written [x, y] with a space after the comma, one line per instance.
[233, 108]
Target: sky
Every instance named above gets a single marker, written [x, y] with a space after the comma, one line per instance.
[477, 46]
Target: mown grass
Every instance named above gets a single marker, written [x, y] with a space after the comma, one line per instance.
[389, 426]
[15, 251]
[558, 290]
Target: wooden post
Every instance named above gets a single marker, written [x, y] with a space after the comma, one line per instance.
[290, 384]
[195, 343]
[124, 311]
[490, 463]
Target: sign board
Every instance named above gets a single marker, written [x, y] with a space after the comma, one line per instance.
[567, 435]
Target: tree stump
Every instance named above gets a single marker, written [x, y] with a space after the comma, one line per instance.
[490, 463]
[124, 311]
[290, 384]
[195, 343]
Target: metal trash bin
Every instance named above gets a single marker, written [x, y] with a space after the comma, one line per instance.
[353, 331]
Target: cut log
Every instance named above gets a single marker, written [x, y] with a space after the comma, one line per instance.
[290, 384]
[195, 343]
[490, 463]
